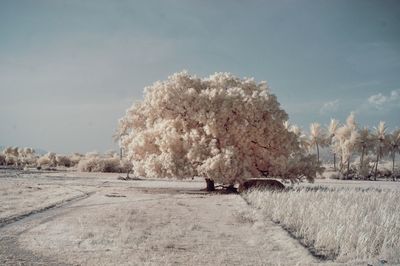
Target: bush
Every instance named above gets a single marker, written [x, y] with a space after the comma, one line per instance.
[11, 160]
[2, 159]
[43, 161]
[48, 160]
[105, 165]
[87, 164]
[62, 160]
[75, 158]
[109, 165]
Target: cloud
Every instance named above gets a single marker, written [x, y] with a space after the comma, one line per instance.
[395, 95]
[377, 99]
[330, 106]
[381, 101]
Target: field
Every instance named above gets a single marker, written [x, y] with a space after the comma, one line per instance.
[57, 218]
[345, 224]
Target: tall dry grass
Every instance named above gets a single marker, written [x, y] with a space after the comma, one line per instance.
[347, 224]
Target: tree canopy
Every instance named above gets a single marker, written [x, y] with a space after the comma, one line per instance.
[223, 128]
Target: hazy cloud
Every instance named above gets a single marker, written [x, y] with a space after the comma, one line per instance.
[377, 99]
[380, 100]
[330, 106]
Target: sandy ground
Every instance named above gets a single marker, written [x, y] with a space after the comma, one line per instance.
[151, 222]
[69, 218]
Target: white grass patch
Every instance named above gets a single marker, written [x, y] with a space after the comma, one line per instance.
[22, 196]
[349, 224]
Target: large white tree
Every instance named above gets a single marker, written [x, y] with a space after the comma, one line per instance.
[222, 128]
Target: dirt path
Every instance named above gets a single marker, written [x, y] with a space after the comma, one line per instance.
[130, 226]
[127, 225]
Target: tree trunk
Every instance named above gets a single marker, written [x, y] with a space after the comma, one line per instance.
[348, 168]
[341, 164]
[334, 161]
[210, 185]
[361, 161]
[393, 157]
[376, 164]
[317, 153]
[362, 157]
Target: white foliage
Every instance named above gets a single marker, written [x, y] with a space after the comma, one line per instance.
[48, 160]
[346, 139]
[63, 160]
[317, 134]
[381, 139]
[393, 141]
[11, 155]
[333, 125]
[19, 156]
[75, 158]
[108, 163]
[221, 127]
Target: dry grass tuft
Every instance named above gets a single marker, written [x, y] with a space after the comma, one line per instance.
[344, 223]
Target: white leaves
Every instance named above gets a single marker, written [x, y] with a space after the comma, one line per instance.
[221, 127]
[346, 138]
[317, 135]
[333, 125]
[380, 130]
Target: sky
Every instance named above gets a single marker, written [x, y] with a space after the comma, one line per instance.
[70, 68]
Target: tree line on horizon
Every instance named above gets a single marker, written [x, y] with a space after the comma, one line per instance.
[226, 129]
[357, 151]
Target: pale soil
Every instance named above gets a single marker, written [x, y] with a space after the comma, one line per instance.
[104, 221]
[150, 222]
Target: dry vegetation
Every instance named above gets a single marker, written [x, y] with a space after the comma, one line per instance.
[22, 196]
[347, 224]
[23, 158]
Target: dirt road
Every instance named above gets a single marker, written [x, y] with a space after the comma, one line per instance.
[152, 222]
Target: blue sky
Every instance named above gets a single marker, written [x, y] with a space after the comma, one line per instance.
[69, 69]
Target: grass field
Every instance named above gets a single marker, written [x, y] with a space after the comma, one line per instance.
[341, 223]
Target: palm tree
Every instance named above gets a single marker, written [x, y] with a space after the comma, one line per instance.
[363, 144]
[333, 125]
[394, 147]
[346, 137]
[380, 140]
[301, 137]
[317, 137]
